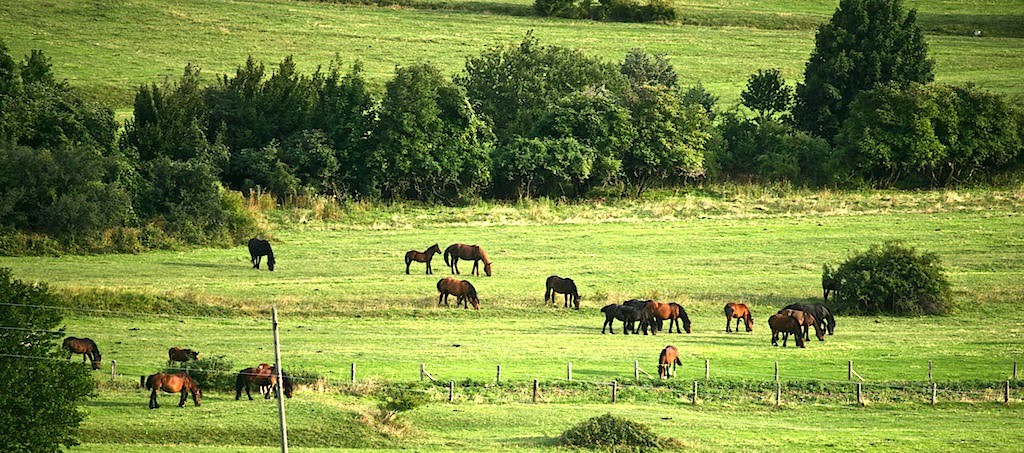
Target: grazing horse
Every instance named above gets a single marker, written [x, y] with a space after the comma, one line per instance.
[658, 312]
[820, 312]
[628, 314]
[669, 358]
[455, 252]
[786, 325]
[264, 376]
[806, 320]
[173, 383]
[181, 356]
[463, 290]
[86, 347]
[258, 248]
[738, 312]
[564, 286]
[421, 257]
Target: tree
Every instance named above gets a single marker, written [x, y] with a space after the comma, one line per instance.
[428, 143]
[514, 85]
[641, 68]
[344, 111]
[894, 279]
[767, 93]
[866, 42]
[39, 405]
[670, 139]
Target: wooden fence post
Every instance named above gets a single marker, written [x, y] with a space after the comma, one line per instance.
[636, 371]
[776, 371]
[934, 389]
[778, 393]
[568, 371]
[615, 388]
[1006, 393]
[423, 371]
[694, 401]
[1015, 370]
[707, 369]
[860, 396]
[451, 391]
[929, 371]
[536, 390]
[849, 370]
[352, 373]
[113, 370]
[498, 378]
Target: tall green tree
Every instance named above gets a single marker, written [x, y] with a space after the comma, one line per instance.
[767, 93]
[39, 407]
[866, 42]
[428, 143]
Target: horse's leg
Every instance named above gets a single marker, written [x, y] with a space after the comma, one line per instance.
[152, 398]
[195, 396]
[476, 268]
[247, 391]
[455, 265]
[407, 263]
[184, 396]
[430, 270]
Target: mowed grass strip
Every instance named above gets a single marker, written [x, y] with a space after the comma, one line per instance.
[111, 48]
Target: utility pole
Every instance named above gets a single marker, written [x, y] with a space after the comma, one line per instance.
[280, 384]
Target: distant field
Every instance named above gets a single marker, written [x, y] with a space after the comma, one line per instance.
[109, 48]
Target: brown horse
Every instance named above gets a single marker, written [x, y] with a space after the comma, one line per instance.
[421, 257]
[264, 376]
[806, 321]
[173, 383]
[786, 325]
[176, 354]
[566, 287]
[669, 357]
[86, 347]
[659, 311]
[467, 252]
[738, 312]
[463, 290]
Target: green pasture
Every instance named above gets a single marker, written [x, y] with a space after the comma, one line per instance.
[344, 298]
[109, 48]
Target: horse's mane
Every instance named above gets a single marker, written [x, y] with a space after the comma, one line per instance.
[95, 348]
[483, 254]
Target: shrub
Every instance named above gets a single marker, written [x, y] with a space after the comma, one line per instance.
[608, 430]
[394, 401]
[552, 7]
[893, 279]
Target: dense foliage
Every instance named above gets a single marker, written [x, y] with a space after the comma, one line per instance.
[609, 431]
[39, 405]
[865, 43]
[608, 10]
[892, 279]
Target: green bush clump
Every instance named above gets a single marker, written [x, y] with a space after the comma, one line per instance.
[210, 373]
[607, 430]
[893, 279]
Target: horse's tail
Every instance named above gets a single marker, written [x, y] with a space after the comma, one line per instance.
[239, 383]
[547, 293]
[729, 310]
[447, 252]
[149, 381]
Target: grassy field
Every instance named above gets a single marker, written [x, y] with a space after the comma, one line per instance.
[109, 48]
[344, 297]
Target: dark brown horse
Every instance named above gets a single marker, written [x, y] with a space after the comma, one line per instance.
[455, 252]
[421, 257]
[831, 283]
[669, 358]
[738, 312]
[258, 248]
[173, 383]
[630, 315]
[806, 321]
[787, 325]
[463, 290]
[659, 311]
[265, 377]
[566, 287]
[176, 354]
[86, 347]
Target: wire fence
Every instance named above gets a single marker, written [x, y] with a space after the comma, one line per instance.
[723, 383]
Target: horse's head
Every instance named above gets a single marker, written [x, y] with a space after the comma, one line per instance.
[487, 269]
[270, 262]
[576, 301]
[97, 360]
[289, 386]
[662, 370]
[475, 301]
[434, 248]
[750, 321]
[192, 355]
[686, 321]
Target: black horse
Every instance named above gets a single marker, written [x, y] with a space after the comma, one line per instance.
[564, 286]
[822, 315]
[258, 248]
[630, 315]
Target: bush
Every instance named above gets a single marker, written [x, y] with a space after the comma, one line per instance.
[610, 431]
[394, 401]
[893, 279]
